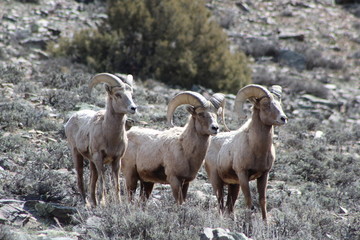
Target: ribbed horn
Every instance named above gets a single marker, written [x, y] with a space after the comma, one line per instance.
[127, 79]
[107, 78]
[249, 91]
[188, 97]
[218, 100]
[276, 90]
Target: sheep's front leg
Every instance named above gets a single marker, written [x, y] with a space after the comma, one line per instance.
[116, 178]
[146, 189]
[261, 186]
[184, 190]
[93, 180]
[131, 179]
[176, 187]
[79, 167]
[233, 193]
[98, 161]
[218, 187]
[245, 188]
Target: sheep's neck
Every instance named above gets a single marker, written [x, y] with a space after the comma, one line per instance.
[114, 123]
[260, 134]
[194, 145]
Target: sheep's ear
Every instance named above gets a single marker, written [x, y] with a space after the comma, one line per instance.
[255, 102]
[191, 110]
[219, 111]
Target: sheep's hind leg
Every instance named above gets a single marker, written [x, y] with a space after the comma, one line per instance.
[79, 167]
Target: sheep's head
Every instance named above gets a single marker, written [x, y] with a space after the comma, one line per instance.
[268, 103]
[203, 111]
[119, 91]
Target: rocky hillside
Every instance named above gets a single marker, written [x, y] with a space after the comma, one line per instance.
[310, 48]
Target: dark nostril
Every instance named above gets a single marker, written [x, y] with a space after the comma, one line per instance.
[283, 119]
[214, 128]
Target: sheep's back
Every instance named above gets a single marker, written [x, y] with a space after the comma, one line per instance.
[77, 122]
[148, 136]
[149, 147]
[216, 144]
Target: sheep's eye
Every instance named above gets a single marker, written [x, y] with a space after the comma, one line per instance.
[266, 105]
[118, 95]
[202, 114]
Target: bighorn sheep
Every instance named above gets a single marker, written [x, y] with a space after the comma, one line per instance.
[173, 156]
[237, 157]
[100, 136]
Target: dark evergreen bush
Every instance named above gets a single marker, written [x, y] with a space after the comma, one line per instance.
[173, 41]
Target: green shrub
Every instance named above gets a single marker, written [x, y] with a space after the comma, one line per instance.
[11, 74]
[295, 84]
[12, 144]
[19, 113]
[41, 173]
[317, 59]
[62, 99]
[311, 87]
[173, 41]
[62, 74]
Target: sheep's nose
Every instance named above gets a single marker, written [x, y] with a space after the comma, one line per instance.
[215, 128]
[284, 119]
[132, 109]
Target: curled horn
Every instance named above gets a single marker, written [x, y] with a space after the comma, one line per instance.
[188, 97]
[127, 79]
[276, 90]
[249, 91]
[107, 78]
[218, 100]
